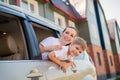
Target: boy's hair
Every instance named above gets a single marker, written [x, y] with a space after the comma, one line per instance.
[80, 41]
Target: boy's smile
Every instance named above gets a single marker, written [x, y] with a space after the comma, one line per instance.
[74, 50]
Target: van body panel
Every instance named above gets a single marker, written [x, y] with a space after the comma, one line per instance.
[18, 70]
[20, 57]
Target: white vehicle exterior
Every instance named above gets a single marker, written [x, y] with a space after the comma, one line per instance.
[20, 33]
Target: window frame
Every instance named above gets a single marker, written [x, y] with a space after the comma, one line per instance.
[99, 59]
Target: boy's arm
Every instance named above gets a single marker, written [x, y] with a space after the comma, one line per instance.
[53, 58]
[70, 63]
[63, 64]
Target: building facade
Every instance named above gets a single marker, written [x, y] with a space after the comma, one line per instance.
[114, 32]
[90, 21]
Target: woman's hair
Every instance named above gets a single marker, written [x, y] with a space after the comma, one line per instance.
[72, 28]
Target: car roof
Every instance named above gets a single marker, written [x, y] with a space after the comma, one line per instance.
[19, 12]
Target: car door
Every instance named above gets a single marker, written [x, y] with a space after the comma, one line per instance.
[19, 47]
[51, 71]
[83, 69]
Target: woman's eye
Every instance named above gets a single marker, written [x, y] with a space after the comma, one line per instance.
[71, 35]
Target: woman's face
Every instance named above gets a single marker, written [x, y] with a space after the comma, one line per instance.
[68, 35]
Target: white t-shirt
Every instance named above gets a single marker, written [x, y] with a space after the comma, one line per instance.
[62, 54]
[49, 42]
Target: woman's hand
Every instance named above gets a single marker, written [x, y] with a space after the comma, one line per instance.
[57, 47]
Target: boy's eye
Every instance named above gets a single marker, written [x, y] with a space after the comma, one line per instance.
[77, 48]
[66, 32]
[79, 51]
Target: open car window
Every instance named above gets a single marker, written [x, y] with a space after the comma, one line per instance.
[43, 32]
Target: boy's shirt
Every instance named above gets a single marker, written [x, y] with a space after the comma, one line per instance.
[49, 42]
[62, 54]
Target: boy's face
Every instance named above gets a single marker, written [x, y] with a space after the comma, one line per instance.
[75, 50]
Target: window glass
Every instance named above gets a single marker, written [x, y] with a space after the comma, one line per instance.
[41, 9]
[32, 8]
[2, 0]
[111, 62]
[104, 29]
[59, 20]
[25, 5]
[99, 59]
[12, 40]
[71, 23]
[92, 22]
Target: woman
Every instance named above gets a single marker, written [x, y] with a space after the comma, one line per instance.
[52, 43]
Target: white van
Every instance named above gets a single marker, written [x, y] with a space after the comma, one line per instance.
[20, 58]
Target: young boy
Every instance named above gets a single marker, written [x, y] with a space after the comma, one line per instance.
[67, 53]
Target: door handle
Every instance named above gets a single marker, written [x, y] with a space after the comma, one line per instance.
[34, 73]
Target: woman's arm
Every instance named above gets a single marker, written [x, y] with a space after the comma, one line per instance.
[45, 49]
[49, 48]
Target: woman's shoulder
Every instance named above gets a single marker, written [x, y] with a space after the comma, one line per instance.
[51, 37]
[50, 41]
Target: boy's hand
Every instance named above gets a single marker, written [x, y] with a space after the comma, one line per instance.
[65, 65]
